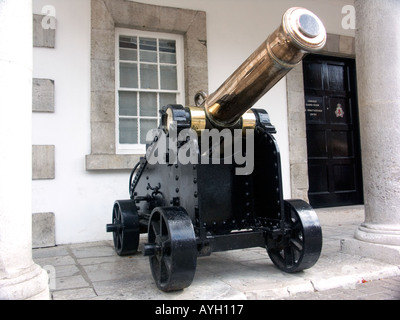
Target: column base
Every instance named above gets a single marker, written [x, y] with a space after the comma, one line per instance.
[376, 241]
[29, 284]
[379, 234]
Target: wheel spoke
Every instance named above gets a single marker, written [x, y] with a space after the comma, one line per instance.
[165, 257]
[296, 244]
[155, 266]
[167, 245]
[277, 256]
[167, 263]
[161, 272]
[163, 228]
[159, 228]
[119, 240]
[156, 228]
[289, 256]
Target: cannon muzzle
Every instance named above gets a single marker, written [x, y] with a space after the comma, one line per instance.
[301, 32]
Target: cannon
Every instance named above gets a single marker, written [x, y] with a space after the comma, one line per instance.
[193, 194]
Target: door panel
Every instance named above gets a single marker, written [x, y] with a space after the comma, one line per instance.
[319, 179]
[342, 144]
[333, 142]
[317, 144]
[344, 178]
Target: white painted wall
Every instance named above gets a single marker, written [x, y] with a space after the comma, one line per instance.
[82, 200]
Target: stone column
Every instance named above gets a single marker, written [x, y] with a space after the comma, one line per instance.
[378, 77]
[20, 277]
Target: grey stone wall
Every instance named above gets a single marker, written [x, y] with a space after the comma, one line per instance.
[43, 233]
[43, 162]
[43, 95]
[43, 38]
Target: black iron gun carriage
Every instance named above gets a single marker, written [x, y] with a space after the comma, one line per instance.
[194, 195]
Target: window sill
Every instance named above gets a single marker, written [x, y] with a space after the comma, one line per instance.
[95, 162]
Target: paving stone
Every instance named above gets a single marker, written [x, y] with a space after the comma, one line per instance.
[99, 260]
[114, 270]
[76, 281]
[74, 294]
[55, 261]
[88, 252]
[66, 271]
[242, 255]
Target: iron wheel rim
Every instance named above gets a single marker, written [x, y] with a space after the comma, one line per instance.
[173, 263]
[300, 248]
[126, 235]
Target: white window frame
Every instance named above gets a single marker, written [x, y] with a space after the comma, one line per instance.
[180, 92]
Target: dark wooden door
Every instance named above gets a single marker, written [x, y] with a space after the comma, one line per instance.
[333, 141]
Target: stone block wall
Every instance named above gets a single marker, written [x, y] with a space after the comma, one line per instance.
[43, 156]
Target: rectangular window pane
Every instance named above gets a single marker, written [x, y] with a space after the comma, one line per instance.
[167, 51]
[145, 126]
[128, 75]
[128, 54]
[168, 77]
[167, 98]
[127, 103]
[128, 42]
[148, 76]
[148, 50]
[128, 133]
[148, 104]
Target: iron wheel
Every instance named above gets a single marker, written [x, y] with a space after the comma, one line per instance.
[300, 245]
[172, 248]
[125, 227]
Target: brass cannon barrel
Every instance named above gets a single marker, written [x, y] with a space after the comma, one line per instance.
[300, 33]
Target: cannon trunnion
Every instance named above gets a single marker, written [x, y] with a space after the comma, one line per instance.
[214, 202]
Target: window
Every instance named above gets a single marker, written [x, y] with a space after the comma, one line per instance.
[106, 153]
[149, 75]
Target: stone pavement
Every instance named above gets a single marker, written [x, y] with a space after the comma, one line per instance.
[94, 271]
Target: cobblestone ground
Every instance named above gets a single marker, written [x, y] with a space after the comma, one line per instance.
[384, 289]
